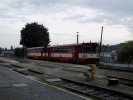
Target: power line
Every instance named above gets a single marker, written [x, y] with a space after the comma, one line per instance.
[118, 27]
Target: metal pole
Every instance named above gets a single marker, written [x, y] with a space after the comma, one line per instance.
[101, 41]
[77, 38]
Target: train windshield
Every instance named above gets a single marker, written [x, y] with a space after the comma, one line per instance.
[88, 49]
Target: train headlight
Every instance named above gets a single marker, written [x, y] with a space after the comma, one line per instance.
[84, 56]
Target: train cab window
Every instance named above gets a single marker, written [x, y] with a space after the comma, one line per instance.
[86, 49]
[94, 49]
[89, 49]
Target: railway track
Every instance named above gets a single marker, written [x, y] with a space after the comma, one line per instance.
[99, 93]
[88, 90]
[118, 68]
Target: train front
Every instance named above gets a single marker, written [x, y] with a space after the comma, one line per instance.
[89, 53]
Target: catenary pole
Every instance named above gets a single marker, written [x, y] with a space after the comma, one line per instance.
[100, 48]
[77, 38]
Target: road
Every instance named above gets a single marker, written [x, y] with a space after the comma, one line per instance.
[14, 86]
[119, 65]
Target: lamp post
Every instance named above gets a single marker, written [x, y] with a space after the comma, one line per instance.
[77, 38]
[100, 48]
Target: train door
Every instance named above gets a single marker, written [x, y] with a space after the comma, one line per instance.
[41, 51]
[73, 54]
[76, 54]
[49, 53]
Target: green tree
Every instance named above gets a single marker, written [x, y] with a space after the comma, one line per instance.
[34, 35]
[11, 47]
[1, 50]
[5, 48]
[126, 51]
[19, 52]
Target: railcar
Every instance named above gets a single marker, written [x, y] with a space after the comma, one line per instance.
[83, 53]
[37, 53]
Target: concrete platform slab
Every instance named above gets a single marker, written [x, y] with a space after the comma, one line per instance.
[54, 80]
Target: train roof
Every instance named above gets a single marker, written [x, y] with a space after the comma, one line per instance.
[35, 48]
[70, 45]
[66, 45]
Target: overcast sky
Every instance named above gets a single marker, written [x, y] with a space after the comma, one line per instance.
[64, 18]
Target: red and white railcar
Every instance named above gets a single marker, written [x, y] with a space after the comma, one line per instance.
[84, 53]
[37, 53]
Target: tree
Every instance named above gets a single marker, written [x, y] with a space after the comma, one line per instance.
[19, 52]
[1, 50]
[34, 35]
[11, 47]
[5, 48]
[126, 51]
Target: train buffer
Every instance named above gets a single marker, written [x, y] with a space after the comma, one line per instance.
[90, 73]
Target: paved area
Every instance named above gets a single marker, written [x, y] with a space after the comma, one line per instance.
[17, 87]
[115, 73]
[60, 71]
[119, 65]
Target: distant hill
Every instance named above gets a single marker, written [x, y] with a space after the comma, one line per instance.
[109, 48]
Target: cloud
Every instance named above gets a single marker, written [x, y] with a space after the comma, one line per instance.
[67, 17]
[110, 11]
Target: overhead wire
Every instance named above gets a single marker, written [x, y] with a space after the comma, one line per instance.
[117, 27]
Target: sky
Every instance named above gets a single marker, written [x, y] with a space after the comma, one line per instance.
[64, 18]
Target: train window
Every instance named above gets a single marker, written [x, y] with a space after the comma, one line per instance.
[69, 50]
[89, 49]
[55, 50]
[37, 51]
[94, 49]
[45, 51]
[86, 49]
[61, 50]
[52, 50]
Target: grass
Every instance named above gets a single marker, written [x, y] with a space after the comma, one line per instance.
[69, 70]
[103, 66]
[124, 62]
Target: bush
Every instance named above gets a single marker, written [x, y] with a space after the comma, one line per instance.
[125, 52]
[19, 52]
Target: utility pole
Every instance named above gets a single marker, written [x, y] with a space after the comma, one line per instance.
[77, 38]
[100, 48]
